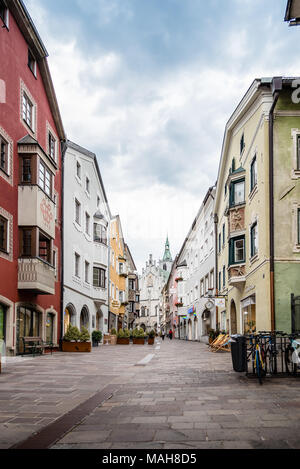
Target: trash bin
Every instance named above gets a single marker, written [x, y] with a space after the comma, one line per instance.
[239, 353]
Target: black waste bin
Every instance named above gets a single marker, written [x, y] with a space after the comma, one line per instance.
[239, 353]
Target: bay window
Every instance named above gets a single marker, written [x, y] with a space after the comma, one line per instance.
[237, 250]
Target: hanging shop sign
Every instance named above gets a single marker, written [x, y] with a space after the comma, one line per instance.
[220, 302]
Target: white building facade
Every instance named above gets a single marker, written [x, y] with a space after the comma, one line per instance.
[196, 276]
[152, 281]
[86, 242]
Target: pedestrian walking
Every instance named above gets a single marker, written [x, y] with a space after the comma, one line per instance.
[163, 335]
[170, 334]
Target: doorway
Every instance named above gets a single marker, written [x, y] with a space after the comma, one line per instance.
[233, 321]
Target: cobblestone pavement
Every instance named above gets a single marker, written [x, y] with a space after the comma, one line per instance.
[181, 397]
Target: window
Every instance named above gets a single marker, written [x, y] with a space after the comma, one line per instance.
[45, 179]
[87, 223]
[100, 234]
[86, 272]
[237, 250]
[3, 155]
[220, 242]
[253, 174]
[77, 211]
[78, 170]
[26, 240]
[298, 152]
[87, 185]
[298, 225]
[31, 62]
[26, 170]
[51, 146]
[223, 231]
[206, 283]
[121, 270]
[202, 287]
[242, 144]
[77, 265]
[27, 109]
[224, 276]
[98, 201]
[3, 234]
[212, 280]
[254, 240]
[44, 248]
[98, 277]
[55, 262]
[220, 285]
[237, 193]
[131, 307]
[4, 13]
[131, 284]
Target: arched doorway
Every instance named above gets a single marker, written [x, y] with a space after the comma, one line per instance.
[99, 321]
[69, 317]
[206, 322]
[196, 328]
[233, 322]
[84, 318]
[190, 330]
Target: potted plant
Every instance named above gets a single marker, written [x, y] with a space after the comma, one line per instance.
[96, 338]
[151, 337]
[113, 336]
[211, 335]
[123, 337]
[76, 341]
[138, 336]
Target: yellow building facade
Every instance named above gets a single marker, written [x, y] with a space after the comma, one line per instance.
[118, 276]
[247, 241]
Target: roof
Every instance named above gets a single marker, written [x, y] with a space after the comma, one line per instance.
[93, 156]
[292, 13]
[33, 39]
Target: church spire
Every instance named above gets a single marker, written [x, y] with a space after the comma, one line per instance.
[167, 255]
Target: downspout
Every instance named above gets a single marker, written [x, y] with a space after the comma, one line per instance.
[63, 152]
[276, 88]
[216, 220]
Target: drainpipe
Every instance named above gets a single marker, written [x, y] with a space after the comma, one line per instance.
[63, 152]
[216, 220]
[276, 88]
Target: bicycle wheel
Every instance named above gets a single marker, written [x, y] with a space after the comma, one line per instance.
[258, 367]
[291, 367]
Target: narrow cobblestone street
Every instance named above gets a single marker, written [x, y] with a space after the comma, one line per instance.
[175, 395]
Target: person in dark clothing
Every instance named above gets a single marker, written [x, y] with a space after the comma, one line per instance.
[163, 335]
[170, 335]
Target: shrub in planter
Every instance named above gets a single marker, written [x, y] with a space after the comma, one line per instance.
[138, 336]
[96, 338]
[76, 341]
[113, 336]
[123, 337]
[151, 337]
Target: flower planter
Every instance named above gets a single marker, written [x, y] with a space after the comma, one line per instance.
[113, 340]
[139, 341]
[151, 341]
[123, 341]
[82, 347]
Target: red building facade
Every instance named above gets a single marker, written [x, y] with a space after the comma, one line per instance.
[31, 134]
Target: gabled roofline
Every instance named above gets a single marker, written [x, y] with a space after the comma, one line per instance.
[208, 194]
[130, 256]
[93, 156]
[34, 41]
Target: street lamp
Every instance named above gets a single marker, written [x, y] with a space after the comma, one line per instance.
[292, 14]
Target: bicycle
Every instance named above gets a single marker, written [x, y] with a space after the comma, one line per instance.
[258, 357]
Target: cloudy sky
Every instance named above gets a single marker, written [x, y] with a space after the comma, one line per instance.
[149, 85]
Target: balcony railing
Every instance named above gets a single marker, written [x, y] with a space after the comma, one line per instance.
[36, 275]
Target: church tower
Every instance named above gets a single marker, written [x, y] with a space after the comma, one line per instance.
[167, 261]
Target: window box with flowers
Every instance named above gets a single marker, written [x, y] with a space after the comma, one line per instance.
[179, 279]
[179, 305]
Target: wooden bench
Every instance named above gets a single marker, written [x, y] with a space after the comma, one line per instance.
[35, 345]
